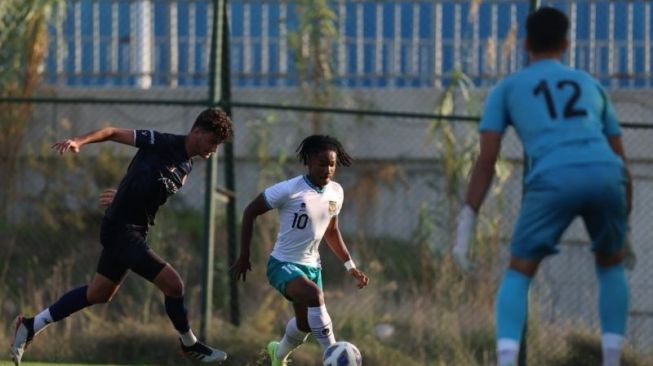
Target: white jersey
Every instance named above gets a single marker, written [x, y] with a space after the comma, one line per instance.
[304, 214]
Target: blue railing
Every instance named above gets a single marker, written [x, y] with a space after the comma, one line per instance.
[394, 43]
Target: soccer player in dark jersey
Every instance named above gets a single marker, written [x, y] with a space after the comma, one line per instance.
[157, 171]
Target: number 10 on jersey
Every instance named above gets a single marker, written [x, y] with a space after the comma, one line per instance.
[299, 221]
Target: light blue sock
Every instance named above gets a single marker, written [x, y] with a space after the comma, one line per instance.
[613, 299]
[512, 305]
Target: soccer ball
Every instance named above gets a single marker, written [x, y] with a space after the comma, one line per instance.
[342, 354]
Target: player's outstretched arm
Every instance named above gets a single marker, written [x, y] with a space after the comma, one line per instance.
[121, 135]
[337, 244]
[255, 208]
[479, 183]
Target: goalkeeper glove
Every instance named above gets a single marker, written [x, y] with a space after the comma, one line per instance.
[464, 232]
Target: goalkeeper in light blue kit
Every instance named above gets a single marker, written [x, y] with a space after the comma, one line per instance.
[576, 163]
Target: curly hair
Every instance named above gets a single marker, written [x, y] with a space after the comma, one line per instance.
[217, 121]
[316, 143]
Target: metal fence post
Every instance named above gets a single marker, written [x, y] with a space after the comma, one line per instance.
[523, 346]
[229, 174]
[211, 179]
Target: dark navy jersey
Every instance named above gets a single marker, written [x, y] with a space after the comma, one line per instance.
[158, 171]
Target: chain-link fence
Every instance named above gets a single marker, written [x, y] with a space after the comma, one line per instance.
[401, 198]
[391, 78]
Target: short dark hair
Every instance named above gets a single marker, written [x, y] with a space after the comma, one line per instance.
[546, 30]
[217, 121]
[316, 143]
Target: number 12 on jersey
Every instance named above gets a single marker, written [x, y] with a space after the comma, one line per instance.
[571, 110]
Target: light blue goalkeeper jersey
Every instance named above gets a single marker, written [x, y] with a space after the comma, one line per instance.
[561, 115]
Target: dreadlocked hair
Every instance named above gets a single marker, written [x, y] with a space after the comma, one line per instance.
[316, 143]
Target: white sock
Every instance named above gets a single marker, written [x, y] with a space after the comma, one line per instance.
[611, 345]
[291, 340]
[507, 352]
[320, 323]
[42, 320]
[188, 338]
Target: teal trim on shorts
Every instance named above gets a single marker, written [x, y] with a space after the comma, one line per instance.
[280, 273]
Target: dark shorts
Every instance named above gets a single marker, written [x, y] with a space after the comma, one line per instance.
[125, 248]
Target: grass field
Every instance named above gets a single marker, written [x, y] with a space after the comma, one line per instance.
[9, 363]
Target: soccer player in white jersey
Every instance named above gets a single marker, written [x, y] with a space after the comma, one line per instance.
[308, 211]
[577, 167]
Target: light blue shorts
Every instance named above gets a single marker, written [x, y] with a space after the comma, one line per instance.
[552, 200]
[280, 273]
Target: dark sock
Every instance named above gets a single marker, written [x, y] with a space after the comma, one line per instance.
[29, 324]
[177, 313]
[72, 301]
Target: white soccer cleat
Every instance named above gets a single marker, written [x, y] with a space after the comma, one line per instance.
[203, 353]
[22, 338]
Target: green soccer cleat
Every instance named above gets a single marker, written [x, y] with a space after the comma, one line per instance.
[272, 351]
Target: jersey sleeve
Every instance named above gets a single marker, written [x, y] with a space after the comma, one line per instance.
[495, 112]
[144, 138]
[609, 116]
[151, 139]
[276, 195]
[341, 199]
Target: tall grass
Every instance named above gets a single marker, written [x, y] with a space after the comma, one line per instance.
[447, 326]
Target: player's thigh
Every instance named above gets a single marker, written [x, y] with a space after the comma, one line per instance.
[128, 248]
[138, 257]
[149, 266]
[304, 291]
[110, 267]
[280, 274]
[548, 207]
[605, 215]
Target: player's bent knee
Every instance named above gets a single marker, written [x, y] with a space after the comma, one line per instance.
[314, 297]
[309, 291]
[606, 260]
[527, 267]
[99, 298]
[173, 289]
[169, 282]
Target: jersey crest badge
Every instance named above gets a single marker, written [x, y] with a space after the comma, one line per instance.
[332, 207]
